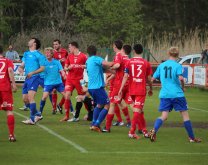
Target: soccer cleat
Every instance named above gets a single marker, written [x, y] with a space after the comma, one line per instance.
[96, 129]
[24, 108]
[38, 118]
[104, 130]
[12, 138]
[73, 113]
[195, 140]
[59, 108]
[140, 132]
[28, 122]
[64, 119]
[117, 123]
[54, 112]
[152, 135]
[73, 119]
[128, 125]
[133, 136]
[145, 134]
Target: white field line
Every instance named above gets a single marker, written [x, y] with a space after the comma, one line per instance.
[76, 146]
[197, 109]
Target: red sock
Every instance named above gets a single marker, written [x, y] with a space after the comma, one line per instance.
[139, 125]
[67, 107]
[126, 114]
[142, 121]
[134, 122]
[62, 102]
[109, 120]
[54, 100]
[118, 114]
[10, 123]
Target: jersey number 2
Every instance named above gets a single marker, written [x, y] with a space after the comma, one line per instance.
[2, 66]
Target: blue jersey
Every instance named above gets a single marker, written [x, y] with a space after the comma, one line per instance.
[33, 60]
[95, 72]
[168, 72]
[52, 72]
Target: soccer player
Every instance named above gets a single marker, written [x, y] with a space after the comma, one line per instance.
[137, 70]
[74, 65]
[7, 84]
[95, 66]
[61, 55]
[172, 94]
[33, 62]
[119, 65]
[52, 78]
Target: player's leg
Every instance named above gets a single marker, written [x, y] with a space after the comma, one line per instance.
[54, 99]
[119, 121]
[43, 101]
[11, 124]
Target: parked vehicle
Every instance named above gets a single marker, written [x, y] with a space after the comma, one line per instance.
[189, 59]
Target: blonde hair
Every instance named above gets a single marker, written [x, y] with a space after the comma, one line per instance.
[173, 51]
[50, 49]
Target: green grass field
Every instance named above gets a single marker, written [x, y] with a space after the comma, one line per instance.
[52, 142]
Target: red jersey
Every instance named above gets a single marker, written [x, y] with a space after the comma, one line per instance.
[5, 84]
[60, 55]
[122, 60]
[138, 69]
[77, 61]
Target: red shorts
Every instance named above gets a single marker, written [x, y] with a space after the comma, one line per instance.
[70, 85]
[6, 100]
[138, 101]
[125, 95]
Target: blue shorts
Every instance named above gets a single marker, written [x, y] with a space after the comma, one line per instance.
[31, 83]
[167, 104]
[41, 82]
[99, 96]
[58, 87]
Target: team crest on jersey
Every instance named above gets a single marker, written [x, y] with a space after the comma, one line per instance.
[5, 104]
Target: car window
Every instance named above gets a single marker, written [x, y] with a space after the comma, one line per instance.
[195, 60]
[188, 61]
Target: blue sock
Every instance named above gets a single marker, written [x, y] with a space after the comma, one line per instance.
[33, 111]
[96, 113]
[42, 104]
[188, 126]
[50, 97]
[101, 117]
[71, 107]
[158, 124]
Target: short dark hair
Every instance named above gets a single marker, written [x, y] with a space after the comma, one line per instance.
[74, 44]
[118, 44]
[138, 48]
[127, 49]
[57, 40]
[38, 43]
[92, 50]
[1, 49]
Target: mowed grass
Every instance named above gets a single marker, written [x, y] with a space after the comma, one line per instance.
[37, 146]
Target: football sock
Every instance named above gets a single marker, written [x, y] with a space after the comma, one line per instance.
[109, 119]
[101, 117]
[88, 103]
[134, 122]
[126, 114]
[10, 123]
[27, 105]
[78, 108]
[96, 113]
[117, 113]
[67, 106]
[142, 121]
[71, 106]
[42, 104]
[54, 100]
[62, 102]
[33, 111]
[158, 124]
[188, 127]
[50, 98]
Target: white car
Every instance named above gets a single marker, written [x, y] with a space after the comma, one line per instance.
[189, 59]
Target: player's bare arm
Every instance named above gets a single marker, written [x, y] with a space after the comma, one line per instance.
[182, 82]
[115, 66]
[41, 69]
[125, 78]
[106, 64]
[63, 74]
[11, 76]
[149, 81]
